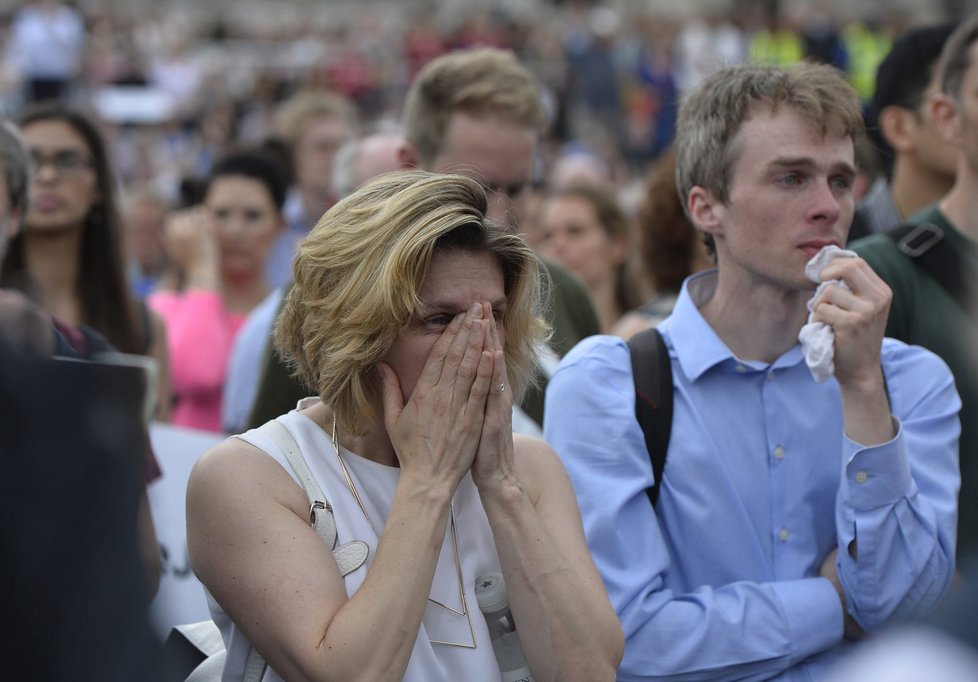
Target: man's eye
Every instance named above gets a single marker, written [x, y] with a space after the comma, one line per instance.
[841, 182]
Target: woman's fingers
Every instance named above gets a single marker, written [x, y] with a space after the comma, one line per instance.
[435, 364]
[468, 365]
[495, 343]
[481, 388]
[392, 396]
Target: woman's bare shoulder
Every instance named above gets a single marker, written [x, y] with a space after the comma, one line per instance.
[537, 465]
[237, 469]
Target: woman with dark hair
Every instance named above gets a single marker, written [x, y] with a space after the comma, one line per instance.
[219, 251]
[585, 230]
[671, 248]
[69, 256]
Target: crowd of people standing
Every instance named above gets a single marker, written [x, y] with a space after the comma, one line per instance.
[447, 229]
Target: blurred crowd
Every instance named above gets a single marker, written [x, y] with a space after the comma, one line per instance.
[175, 83]
[153, 97]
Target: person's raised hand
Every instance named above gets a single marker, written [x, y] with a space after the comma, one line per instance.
[191, 246]
[857, 317]
[494, 465]
[435, 433]
[858, 320]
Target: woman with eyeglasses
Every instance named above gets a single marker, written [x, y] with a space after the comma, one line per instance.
[416, 318]
[219, 250]
[69, 256]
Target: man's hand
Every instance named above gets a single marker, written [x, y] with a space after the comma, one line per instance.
[829, 571]
[858, 319]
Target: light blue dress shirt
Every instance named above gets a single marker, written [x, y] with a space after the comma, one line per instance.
[281, 254]
[760, 485]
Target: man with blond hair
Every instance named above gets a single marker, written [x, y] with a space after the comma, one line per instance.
[480, 113]
[794, 514]
[314, 125]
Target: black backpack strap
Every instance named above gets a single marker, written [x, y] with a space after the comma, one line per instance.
[924, 244]
[652, 373]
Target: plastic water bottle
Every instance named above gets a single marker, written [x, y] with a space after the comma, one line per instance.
[490, 592]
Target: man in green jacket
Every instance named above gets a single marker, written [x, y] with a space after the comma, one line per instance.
[941, 316]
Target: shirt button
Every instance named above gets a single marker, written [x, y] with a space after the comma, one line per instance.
[779, 452]
[861, 477]
[783, 534]
[770, 375]
[741, 369]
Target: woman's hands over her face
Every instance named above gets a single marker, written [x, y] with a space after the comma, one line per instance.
[494, 464]
[437, 431]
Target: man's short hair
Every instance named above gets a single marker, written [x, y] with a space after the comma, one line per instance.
[956, 58]
[711, 115]
[476, 82]
[294, 114]
[904, 74]
[16, 164]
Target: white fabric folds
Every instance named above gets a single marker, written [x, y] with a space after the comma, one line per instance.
[817, 338]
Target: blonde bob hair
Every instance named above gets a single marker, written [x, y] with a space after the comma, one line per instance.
[359, 273]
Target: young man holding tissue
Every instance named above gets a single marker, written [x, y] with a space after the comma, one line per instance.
[793, 515]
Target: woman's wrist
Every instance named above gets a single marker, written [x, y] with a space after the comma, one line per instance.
[501, 491]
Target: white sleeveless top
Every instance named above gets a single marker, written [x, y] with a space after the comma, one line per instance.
[376, 484]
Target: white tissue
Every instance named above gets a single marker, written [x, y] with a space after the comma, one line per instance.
[817, 338]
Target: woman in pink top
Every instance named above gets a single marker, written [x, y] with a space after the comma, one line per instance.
[220, 249]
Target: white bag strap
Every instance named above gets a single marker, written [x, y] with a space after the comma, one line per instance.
[349, 556]
[323, 523]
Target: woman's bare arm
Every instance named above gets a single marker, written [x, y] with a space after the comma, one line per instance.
[251, 544]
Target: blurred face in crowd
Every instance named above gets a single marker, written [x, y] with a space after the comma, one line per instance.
[493, 150]
[246, 223]
[314, 150]
[573, 236]
[790, 195]
[934, 154]
[64, 186]
[958, 114]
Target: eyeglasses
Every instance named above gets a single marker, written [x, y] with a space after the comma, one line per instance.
[65, 162]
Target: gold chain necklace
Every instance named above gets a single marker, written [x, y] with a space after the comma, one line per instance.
[458, 563]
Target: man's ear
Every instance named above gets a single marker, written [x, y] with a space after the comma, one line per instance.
[705, 210]
[946, 119]
[896, 127]
[408, 156]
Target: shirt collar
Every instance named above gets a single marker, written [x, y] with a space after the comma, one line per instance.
[693, 341]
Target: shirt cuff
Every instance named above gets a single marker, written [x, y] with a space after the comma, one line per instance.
[813, 613]
[879, 475]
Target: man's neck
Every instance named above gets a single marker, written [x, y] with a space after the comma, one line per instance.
[314, 204]
[756, 320]
[960, 206]
[913, 189]
[243, 293]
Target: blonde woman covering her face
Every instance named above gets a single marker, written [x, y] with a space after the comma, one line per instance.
[415, 317]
